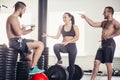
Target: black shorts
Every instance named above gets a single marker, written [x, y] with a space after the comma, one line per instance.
[105, 54]
[20, 45]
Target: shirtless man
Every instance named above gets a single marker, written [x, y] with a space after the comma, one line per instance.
[23, 46]
[110, 28]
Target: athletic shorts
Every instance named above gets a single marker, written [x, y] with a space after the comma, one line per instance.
[105, 54]
[20, 45]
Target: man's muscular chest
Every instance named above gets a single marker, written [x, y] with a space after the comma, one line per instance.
[107, 25]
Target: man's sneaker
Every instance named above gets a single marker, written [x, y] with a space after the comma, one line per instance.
[35, 70]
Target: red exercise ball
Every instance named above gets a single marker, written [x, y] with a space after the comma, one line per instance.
[39, 76]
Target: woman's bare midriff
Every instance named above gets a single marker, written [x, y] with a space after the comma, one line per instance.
[68, 38]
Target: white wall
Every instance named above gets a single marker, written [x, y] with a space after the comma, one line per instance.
[31, 9]
[93, 9]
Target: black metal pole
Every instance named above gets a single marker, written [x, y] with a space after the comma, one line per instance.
[42, 20]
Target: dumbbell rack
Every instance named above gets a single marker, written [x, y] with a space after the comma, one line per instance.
[8, 58]
[43, 61]
[22, 70]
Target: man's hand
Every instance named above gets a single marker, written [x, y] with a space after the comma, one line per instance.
[105, 37]
[32, 27]
[82, 16]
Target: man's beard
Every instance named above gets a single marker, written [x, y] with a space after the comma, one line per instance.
[20, 15]
[105, 17]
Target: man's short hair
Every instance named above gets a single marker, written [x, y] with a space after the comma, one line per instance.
[19, 4]
[110, 9]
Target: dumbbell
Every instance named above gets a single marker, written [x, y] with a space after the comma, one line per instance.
[57, 72]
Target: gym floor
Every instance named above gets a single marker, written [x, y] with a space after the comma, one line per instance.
[87, 77]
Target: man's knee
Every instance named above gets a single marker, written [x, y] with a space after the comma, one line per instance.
[96, 62]
[108, 65]
[40, 44]
[29, 59]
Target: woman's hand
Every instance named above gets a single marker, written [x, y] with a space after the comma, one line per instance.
[65, 43]
[44, 35]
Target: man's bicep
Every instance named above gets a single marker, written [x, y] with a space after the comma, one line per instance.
[117, 25]
[98, 24]
[117, 28]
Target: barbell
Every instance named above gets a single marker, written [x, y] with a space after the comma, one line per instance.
[58, 72]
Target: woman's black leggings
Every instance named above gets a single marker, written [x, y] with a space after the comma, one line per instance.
[72, 51]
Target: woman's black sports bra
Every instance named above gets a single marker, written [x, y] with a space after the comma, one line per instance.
[68, 33]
